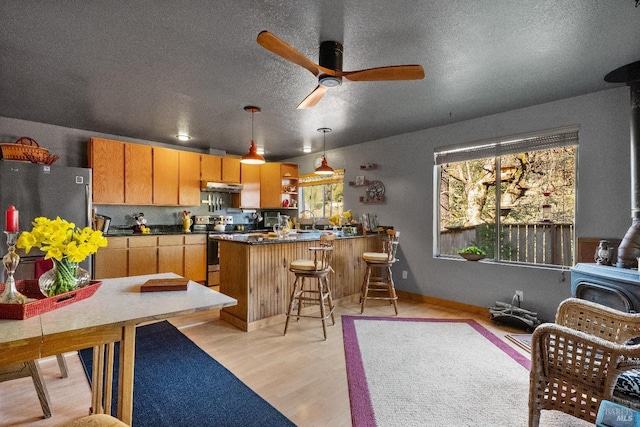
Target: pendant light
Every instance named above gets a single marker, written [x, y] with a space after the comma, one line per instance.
[252, 157]
[324, 168]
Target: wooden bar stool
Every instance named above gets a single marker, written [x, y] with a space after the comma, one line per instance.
[381, 286]
[317, 268]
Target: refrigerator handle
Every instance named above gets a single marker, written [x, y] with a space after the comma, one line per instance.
[87, 199]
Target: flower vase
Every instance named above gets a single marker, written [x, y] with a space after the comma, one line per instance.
[65, 276]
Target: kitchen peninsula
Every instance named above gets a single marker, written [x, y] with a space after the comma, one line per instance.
[254, 270]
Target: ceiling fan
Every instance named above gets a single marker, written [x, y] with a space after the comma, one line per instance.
[329, 69]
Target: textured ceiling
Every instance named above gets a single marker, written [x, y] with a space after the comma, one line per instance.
[153, 69]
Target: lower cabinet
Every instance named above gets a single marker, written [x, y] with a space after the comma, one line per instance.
[112, 261]
[171, 254]
[182, 254]
[195, 257]
[143, 255]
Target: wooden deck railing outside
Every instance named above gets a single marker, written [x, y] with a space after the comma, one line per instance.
[537, 243]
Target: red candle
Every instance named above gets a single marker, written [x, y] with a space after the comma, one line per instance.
[12, 219]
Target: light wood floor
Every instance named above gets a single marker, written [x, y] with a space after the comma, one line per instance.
[300, 374]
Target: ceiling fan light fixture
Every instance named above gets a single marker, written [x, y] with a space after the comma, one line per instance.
[329, 67]
[252, 157]
[330, 81]
[324, 168]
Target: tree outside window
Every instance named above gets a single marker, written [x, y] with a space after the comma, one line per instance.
[323, 196]
[518, 204]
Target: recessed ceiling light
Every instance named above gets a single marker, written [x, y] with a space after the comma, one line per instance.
[183, 137]
[260, 150]
[306, 149]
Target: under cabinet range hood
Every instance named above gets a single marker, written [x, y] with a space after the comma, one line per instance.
[220, 187]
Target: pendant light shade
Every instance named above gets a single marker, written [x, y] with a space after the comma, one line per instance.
[324, 168]
[252, 157]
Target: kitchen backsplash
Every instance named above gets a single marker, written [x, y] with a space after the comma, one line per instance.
[165, 215]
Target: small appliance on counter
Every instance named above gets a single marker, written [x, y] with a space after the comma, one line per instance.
[101, 223]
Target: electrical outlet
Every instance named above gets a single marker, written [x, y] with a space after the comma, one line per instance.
[404, 274]
[520, 295]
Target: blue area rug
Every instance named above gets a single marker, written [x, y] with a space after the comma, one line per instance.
[177, 384]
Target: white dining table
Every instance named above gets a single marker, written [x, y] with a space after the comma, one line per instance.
[110, 315]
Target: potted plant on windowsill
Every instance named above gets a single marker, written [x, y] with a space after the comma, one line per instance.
[472, 253]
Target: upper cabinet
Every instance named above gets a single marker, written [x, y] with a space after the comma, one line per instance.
[210, 168]
[231, 169]
[166, 171]
[138, 174]
[189, 186]
[106, 159]
[250, 180]
[279, 185]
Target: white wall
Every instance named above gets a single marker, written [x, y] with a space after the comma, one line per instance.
[406, 169]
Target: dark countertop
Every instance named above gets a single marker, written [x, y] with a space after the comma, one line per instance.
[265, 239]
[168, 230]
[125, 233]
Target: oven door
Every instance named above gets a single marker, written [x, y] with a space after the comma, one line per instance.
[213, 262]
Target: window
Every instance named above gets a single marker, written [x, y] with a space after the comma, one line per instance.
[512, 197]
[322, 195]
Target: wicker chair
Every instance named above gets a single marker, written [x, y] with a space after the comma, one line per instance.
[577, 362]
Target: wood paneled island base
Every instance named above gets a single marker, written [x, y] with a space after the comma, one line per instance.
[256, 273]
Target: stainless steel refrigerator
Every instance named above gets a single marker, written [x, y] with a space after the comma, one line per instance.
[40, 190]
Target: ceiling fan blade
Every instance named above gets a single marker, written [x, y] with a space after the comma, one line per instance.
[394, 72]
[313, 98]
[280, 48]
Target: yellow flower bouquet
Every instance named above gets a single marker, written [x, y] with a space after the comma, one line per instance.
[66, 245]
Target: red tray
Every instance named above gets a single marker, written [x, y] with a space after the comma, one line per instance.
[42, 304]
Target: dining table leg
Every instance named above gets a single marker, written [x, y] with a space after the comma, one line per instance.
[125, 374]
[97, 377]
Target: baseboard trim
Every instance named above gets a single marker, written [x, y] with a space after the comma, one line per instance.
[443, 303]
[280, 318]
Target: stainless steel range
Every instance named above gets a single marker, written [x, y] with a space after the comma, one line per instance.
[215, 225]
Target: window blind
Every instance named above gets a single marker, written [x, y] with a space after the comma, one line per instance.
[315, 179]
[535, 141]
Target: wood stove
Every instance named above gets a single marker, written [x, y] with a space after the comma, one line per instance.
[614, 287]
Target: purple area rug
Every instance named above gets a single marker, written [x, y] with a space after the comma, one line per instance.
[432, 372]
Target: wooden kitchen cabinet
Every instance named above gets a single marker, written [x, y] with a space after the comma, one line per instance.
[278, 182]
[185, 255]
[171, 254]
[143, 255]
[182, 254]
[111, 261]
[189, 184]
[231, 169]
[166, 169]
[138, 174]
[195, 257]
[250, 180]
[122, 172]
[106, 159]
[210, 168]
